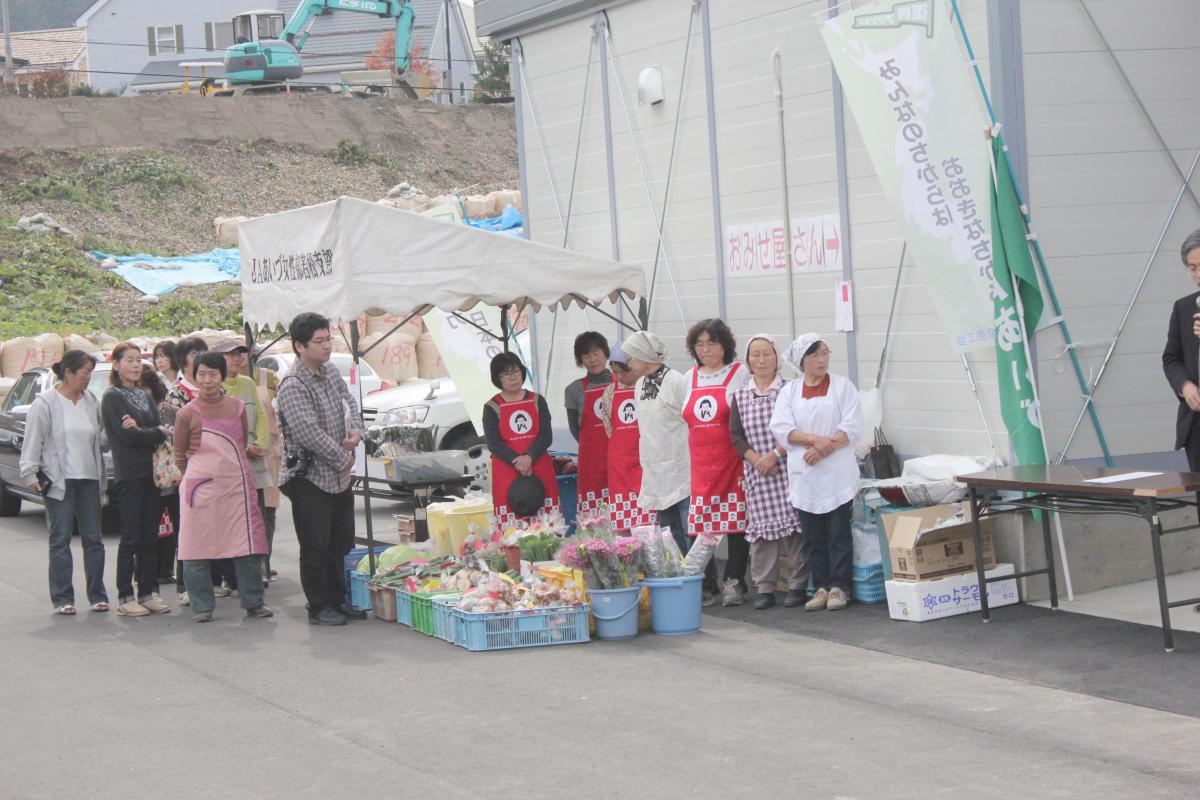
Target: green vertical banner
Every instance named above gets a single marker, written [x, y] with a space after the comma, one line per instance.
[1014, 276]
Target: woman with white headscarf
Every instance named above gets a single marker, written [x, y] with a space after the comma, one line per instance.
[772, 522]
[817, 420]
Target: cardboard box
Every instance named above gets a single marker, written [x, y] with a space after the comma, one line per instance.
[919, 552]
[948, 597]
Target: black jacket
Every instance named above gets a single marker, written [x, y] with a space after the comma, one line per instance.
[132, 448]
[1180, 361]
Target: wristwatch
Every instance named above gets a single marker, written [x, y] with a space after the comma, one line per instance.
[778, 451]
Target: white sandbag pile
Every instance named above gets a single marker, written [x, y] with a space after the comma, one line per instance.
[429, 360]
[393, 358]
[76, 342]
[491, 204]
[24, 353]
[383, 323]
[42, 223]
[226, 229]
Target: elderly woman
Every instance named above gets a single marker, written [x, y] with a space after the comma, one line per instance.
[218, 501]
[772, 523]
[817, 420]
[718, 500]
[516, 425]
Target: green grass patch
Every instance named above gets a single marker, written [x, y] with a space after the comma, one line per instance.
[47, 285]
[173, 316]
[90, 180]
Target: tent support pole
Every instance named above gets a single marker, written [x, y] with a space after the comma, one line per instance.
[620, 322]
[504, 326]
[1037, 248]
[476, 326]
[396, 327]
[366, 479]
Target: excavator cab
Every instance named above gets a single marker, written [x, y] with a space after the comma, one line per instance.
[259, 55]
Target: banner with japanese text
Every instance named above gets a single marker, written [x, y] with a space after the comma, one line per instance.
[920, 116]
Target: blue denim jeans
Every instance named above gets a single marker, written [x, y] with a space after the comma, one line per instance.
[197, 576]
[80, 504]
[828, 547]
[675, 517]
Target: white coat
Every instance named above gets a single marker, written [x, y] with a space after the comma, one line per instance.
[822, 487]
[663, 448]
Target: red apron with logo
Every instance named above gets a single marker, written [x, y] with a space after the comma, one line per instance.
[592, 481]
[718, 500]
[624, 466]
[519, 427]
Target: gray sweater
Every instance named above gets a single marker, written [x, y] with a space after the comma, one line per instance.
[45, 442]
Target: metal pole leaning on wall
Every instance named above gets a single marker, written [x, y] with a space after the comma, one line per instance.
[524, 178]
[777, 69]
[713, 161]
[1037, 248]
[1088, 399]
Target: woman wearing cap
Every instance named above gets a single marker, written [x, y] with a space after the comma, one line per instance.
[718, 500]
[60, 459]
[772, 523]
[817, 420]
[582, 401]
[516, 425]
[618, 413]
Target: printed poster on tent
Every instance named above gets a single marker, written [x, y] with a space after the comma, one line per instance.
[919, 113]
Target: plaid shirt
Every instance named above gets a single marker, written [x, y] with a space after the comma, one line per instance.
[317, 413]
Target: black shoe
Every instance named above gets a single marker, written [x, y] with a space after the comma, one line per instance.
[260, 612]
[351, 611]
[765, 601]
[795, 598]
[327, 616]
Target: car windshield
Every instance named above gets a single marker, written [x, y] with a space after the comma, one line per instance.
[98, 385]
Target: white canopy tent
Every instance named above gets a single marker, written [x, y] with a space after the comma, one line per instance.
[348, 256]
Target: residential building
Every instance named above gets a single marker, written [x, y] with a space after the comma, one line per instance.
[52, 50]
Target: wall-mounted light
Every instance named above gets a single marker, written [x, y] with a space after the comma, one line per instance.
[650, 86]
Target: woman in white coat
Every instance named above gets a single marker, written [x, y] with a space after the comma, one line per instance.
[819, 419]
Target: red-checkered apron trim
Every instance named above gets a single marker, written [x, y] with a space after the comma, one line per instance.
[718, 502]
[624, 465]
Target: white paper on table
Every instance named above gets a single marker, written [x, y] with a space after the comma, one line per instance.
[1124, 476]
[843, 317]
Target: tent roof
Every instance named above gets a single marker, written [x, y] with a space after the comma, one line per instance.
[349, 256]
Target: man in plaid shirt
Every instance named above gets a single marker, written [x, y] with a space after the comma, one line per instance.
[322, 425]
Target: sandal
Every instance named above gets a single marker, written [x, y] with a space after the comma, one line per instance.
[101, 606]
[68, 610]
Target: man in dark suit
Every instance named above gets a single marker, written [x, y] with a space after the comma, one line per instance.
[1181, 355]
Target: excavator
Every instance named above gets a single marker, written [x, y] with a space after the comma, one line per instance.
[265, 55]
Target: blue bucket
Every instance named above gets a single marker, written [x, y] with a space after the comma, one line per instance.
[616, 612]
[675, 604]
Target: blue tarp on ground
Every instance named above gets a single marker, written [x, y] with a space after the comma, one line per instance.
[510, 222]
[159, 275]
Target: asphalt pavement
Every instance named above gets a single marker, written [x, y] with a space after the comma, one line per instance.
[159, 707]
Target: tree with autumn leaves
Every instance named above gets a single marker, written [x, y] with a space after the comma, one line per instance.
[384, 57]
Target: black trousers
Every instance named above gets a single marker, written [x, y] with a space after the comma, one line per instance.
[1192, 449]
[325, 529]
[137, 552]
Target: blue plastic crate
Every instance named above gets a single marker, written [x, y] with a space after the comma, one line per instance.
[403, 607]
[351, 562]
[360, 596]
[535, 627]
[444, 621]
[868, 586]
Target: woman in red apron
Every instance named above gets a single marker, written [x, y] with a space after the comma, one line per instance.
[718, 500]
[582, 399]
[516, 425]
[624, 461]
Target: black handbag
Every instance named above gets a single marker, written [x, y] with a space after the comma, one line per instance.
[882, 458]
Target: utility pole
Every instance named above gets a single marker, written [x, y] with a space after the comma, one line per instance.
[449, 81]
[10, 75]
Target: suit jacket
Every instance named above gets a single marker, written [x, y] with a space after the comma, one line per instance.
[1180, 361]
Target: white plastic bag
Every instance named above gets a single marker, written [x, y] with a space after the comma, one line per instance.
[871, 402]
[866, 543]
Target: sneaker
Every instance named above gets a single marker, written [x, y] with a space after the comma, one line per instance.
[818, 601]
[132, 609]
[155, 604]
[837, 599]
[795, 597]
[731, 594]
[707, 598]
[202, 616]
[260, 612]
[764, 601]
[221, 591]
[184, 600]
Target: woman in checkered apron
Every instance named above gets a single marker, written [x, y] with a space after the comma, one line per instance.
[818, 419]
[773, 524]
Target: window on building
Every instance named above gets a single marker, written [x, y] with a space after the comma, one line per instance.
[164, 39]
[218, 35]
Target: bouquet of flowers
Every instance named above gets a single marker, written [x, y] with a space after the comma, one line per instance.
[574, 554]
[604, 560]
[628, 551]
[660, 555]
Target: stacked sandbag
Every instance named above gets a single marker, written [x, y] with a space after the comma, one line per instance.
[503, 198]
[383, 323]
[429, 360]
[76, 342]
[480, 206]
[227, 230]
[106, 342]
[394, 358]
[24, 353]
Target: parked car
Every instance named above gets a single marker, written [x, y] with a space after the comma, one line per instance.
[436, 402]
[280, 363]
[14, 410]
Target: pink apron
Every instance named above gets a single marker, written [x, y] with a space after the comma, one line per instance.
[218, 504]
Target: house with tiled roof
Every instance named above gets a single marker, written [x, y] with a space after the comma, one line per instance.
[51, 50]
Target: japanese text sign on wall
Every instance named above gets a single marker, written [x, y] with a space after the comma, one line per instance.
[760, 249]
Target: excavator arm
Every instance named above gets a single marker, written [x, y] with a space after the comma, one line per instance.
[297, 29]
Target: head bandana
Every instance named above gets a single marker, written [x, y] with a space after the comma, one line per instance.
[617, 354]
[796, 350]
[766, 337]
[645, 346]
